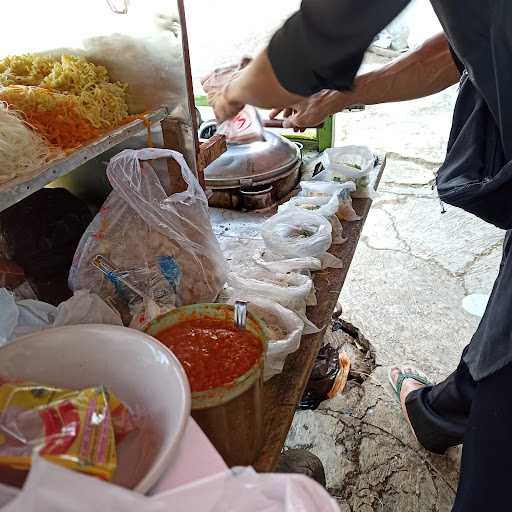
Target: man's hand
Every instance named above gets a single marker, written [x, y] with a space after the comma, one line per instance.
[216, 85]
[312, 111]
[222, 105]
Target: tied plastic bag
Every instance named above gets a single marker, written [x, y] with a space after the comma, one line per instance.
[320, 188]
[20, 317]
[350, 163]
[297, 233]
[163, 245]
[76, 429]
[286, 331]
[325, 206]
[293, 291]
[51, 487]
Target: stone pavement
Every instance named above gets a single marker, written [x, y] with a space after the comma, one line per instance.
[404, 291]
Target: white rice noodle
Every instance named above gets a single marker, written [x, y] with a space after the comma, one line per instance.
[22, 151]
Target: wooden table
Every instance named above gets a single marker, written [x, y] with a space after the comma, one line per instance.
[283, 392]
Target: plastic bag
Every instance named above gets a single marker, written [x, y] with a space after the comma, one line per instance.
[273, 263]
[324, 206]
[320, 188]
[72, 428]
[293, 291]
[286, 328]
[50, 487]
[297, 233]
[163, 245]
[244, 128]
[20, 317]
[322, 379]
[351, 163]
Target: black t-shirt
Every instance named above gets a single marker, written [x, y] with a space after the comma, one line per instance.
[322, 45]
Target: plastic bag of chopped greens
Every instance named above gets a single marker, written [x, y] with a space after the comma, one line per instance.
[322, 187]
[297, 233]
[351, 163]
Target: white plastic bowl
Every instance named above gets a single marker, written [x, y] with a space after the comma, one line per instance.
[139, 370]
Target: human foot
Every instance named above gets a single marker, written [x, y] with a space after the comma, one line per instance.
[404, 381]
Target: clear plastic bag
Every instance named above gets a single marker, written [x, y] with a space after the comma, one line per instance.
[320, 188]
[324, 206]
[350, 163]
[297, 233]
[293, 291]
[163, 245]
[21, 317]
[286, 328]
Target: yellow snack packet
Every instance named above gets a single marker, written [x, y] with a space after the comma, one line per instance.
[70, 428]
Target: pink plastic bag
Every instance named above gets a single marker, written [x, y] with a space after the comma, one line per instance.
[246, 127]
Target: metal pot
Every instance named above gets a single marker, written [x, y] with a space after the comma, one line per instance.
[253, 176]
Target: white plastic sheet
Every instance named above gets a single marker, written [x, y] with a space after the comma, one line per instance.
[21, 317]
[56, 489]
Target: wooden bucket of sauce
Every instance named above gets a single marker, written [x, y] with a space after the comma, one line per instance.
[225, 371]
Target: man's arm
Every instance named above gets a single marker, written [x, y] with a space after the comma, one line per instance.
[422, 72]
[320, 47]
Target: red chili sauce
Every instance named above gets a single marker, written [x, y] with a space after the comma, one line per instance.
[213, 352]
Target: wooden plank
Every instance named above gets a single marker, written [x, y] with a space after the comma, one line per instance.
[174, 138]
[283, 392]
[209, 151]
[16, 190]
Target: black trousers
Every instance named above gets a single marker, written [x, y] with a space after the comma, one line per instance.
[477, 415]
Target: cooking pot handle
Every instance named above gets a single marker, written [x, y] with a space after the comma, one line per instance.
[278, 123]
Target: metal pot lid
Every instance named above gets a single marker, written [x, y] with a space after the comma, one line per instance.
[257, 161]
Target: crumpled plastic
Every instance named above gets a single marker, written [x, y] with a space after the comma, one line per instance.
[20, 317]
[50, 487]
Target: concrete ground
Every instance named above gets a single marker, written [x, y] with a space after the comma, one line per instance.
[404, 291]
